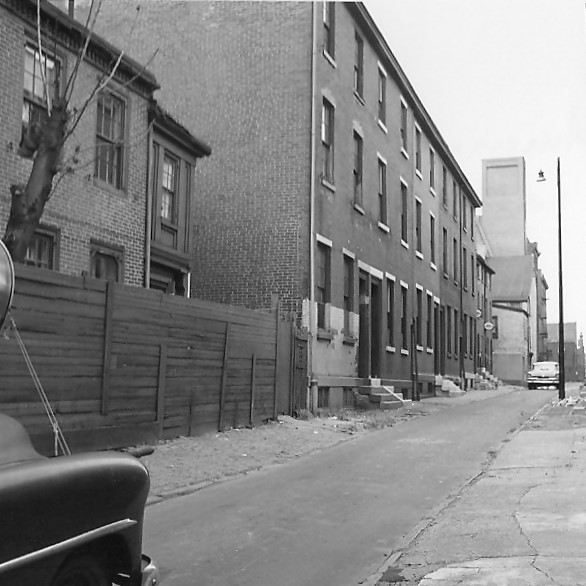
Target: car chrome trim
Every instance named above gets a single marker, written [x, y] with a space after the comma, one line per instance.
[149, 572]
[70, 543]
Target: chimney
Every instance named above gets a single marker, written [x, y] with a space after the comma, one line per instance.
[71, 8]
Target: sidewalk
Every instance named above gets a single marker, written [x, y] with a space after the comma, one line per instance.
[521, 522]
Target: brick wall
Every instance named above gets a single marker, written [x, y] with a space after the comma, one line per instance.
[238, 75]
[81, 208]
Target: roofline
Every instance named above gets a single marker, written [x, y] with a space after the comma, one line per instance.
[176, 131]
[74, 28]
[360, 12]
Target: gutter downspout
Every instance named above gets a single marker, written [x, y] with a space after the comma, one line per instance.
[462, 327]
[149, 212]
[312, 386]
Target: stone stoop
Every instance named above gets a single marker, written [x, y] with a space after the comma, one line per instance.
[451, 389]
[380, 397]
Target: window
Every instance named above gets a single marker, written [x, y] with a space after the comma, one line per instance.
[43, 249]
[390, 313]
[348, 293]
[404, 233]
[35, 107]
[465, 268]
[464, 214]
[473, 272]
[382, 96]
[382, 191]
[455, 253]
[106, 262]
[329, 28]
[445, 187]
[419, 320]
[431, 169]
[358, 147]
[418, 236]
[417, 149]
[495, 331]
[359, 65]
[404, 143]
[110, 139]
[449, 330]
[456, 334]
[445, 251]
[404, 329]
[432, 238]
[322, 283]
[327, 139]
[472, 221]
[455, 199]
[169, 189]
[429, 321]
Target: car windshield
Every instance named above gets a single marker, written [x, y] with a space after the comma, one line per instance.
[545, 366]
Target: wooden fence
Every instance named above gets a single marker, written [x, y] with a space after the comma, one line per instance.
[123, 365]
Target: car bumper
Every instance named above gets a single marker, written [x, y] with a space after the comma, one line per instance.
[149, 572]
[543, 381]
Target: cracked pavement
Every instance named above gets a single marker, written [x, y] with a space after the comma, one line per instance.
[521, 522]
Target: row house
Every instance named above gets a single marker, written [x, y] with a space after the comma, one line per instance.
[108, 217]
[330, 186]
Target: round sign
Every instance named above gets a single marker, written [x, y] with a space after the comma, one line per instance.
[488, 326]
[6, 282]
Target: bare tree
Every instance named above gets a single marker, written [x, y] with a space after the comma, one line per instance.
[45, 137]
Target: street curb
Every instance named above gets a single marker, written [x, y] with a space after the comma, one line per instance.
[410, 537]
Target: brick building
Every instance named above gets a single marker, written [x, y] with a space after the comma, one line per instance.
[95, 222]
[330, 185]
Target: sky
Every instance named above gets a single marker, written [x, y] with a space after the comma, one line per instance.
[507, 78]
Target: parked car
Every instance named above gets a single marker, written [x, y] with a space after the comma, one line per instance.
[73, 520]
[544, 374]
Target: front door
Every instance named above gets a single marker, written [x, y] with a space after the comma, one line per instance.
[375, 327]
[364, 339]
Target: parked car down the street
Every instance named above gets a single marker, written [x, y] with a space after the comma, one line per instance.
[544, 374]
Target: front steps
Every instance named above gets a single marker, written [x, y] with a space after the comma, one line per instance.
[375, 396]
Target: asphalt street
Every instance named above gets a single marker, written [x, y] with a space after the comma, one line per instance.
[331, 518]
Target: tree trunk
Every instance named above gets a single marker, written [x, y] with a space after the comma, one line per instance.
[28, 202]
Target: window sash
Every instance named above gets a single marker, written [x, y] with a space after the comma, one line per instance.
[359, 65]
[382, 97]
[329, 30]
[327, 137]
[390, 312]
[404, 329]
[432, 238]
[404, 235]
[418, 225]
[110, 137]
[382, 191]
[358, 150]
[403, 126]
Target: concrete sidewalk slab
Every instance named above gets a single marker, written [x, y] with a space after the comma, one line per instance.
[521, 522]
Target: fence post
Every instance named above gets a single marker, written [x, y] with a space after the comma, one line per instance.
[109, 308]
[252, 388]
[277, 308]
[161, 379]
[224, 378]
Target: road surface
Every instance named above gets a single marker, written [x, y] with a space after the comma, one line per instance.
[330, 518]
